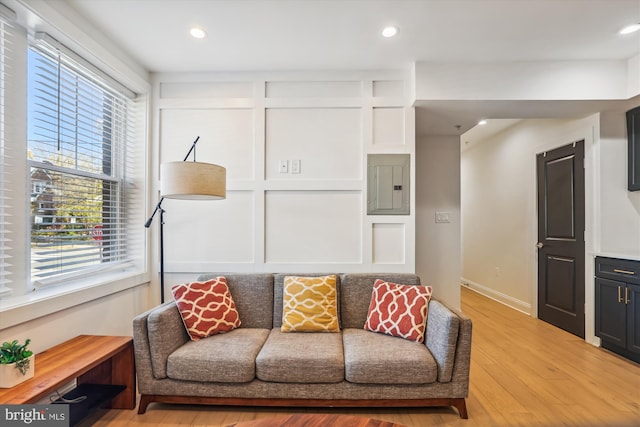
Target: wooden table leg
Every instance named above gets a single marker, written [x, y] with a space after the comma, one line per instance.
[118, 370]
[124, 372]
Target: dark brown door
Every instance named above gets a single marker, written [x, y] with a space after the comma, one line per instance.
[561, 237]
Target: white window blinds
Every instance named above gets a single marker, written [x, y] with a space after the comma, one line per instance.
[7, 17]
[81, 127]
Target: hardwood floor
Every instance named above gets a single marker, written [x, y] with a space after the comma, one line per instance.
[523, 372]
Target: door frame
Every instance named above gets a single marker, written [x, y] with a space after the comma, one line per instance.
[587, 129]
[563, 251]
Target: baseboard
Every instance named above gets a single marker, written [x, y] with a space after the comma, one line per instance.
[507, 300]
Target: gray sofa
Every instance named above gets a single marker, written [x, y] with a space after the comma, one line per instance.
[258, 365]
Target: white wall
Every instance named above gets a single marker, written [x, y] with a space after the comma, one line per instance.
[619, 209]
[312, 221]
[438, 190]
[110, 315]
[499, 206]
[527, 80]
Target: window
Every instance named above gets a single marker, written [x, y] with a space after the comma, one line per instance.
[7, 16]
[80, 126]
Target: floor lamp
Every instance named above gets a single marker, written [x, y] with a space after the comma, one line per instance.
[187, 181]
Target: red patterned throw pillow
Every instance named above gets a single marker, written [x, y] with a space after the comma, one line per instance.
[399, 310]
[206, 308]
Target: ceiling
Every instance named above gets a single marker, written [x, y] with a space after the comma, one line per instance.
[322, 35]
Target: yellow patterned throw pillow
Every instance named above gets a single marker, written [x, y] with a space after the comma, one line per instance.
[310, 304]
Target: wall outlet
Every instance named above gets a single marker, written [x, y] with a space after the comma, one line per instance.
[283, 166]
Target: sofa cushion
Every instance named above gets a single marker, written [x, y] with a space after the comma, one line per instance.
[299, 357]
[310, 304]
[372, 358]
[225, 358]
[398, 310]
[355, 294]
[206, 308]
[253, 295]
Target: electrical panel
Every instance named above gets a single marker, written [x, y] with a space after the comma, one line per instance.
[388, 184]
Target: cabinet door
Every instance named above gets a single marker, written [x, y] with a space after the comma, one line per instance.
[633, 318]
[611, 312]
[633, 135]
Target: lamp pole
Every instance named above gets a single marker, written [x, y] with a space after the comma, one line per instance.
[161, 210]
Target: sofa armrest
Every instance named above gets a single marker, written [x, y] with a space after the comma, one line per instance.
[142, 352]
[157, 334]
[462, 364]
[443, 338]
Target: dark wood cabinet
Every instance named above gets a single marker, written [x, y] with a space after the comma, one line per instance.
[618, 306]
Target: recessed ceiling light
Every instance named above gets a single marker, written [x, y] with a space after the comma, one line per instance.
[389, 31]
[482, 122]
[630, 29]
[198, 33]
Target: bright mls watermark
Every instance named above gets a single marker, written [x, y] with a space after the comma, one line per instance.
[34, 415]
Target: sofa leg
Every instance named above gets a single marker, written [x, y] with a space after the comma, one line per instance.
[144, 402]
[461, 406]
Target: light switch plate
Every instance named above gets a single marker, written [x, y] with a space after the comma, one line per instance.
[295, 166]
[442, 217]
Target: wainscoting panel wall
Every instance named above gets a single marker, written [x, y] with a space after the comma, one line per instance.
[388, 126]
[226, 138]
[208, 90]
[389, 244]
[313, 89]
[295, 147]
[221, 230]
[326, 141]
[310, 227]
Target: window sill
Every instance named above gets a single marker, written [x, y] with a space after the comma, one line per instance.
[45, 301]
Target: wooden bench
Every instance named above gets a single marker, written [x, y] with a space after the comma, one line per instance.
[90, 359]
